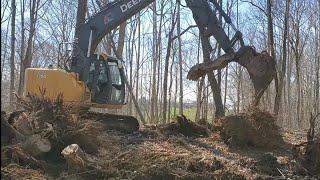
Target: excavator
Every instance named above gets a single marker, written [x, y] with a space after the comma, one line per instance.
[99, 80]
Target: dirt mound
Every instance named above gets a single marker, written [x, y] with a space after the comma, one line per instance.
[253, 129]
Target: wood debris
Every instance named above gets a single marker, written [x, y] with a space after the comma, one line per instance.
[67, 146]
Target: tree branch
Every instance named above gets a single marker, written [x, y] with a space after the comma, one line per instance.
[261, 9]
[184, 31]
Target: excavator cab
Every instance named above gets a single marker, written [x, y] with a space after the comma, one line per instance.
[104, 76]
[106, 80]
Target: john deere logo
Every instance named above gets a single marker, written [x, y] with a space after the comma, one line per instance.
[129, 5]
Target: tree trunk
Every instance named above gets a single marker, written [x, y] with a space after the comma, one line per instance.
[138, 58]
[5, 44]
[270, 29]
[159, 61]
[284, 59]
[154, 65]
[211, 78]
[199, 88]
[175, 92]
[166, 69]
[29, 54]
[22, 43]
[219, 49]
[180, 63]
[317, 56]
[131, 63]
[81, 15]
[170, 86]
[122, 35]
[199, 98]
[297, 59]
[239, 89]
[12, 58]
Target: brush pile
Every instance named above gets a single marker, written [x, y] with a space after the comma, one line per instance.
[50, 140]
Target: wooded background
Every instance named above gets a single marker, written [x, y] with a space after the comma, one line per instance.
[161, 43]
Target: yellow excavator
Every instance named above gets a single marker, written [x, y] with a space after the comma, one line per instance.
[99, 80]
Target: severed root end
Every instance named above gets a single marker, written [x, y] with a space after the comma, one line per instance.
[74, 156]
[202, 69]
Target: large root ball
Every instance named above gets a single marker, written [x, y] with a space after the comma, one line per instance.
[253, 129]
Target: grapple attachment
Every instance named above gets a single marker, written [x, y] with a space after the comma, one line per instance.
[261, 68]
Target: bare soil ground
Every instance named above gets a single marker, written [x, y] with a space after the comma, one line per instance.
[245, 146]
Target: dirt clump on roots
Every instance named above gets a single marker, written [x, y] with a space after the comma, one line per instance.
[255, 128]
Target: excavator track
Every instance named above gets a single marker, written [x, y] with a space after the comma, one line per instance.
[122, 123]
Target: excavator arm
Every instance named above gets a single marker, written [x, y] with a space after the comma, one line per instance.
[205, 16]
[90, 67]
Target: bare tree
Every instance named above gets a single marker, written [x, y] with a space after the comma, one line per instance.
[81, 15]
[284, 59]
[180, 62]
[34, 4]
[12, 56]
[154, 64]
[166, 67]
[298, 46]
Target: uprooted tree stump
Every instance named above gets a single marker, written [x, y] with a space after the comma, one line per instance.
[75, 157]
[261, 68]
[252, 129]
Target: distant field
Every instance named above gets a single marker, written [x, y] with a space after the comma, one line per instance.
[190, 113]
